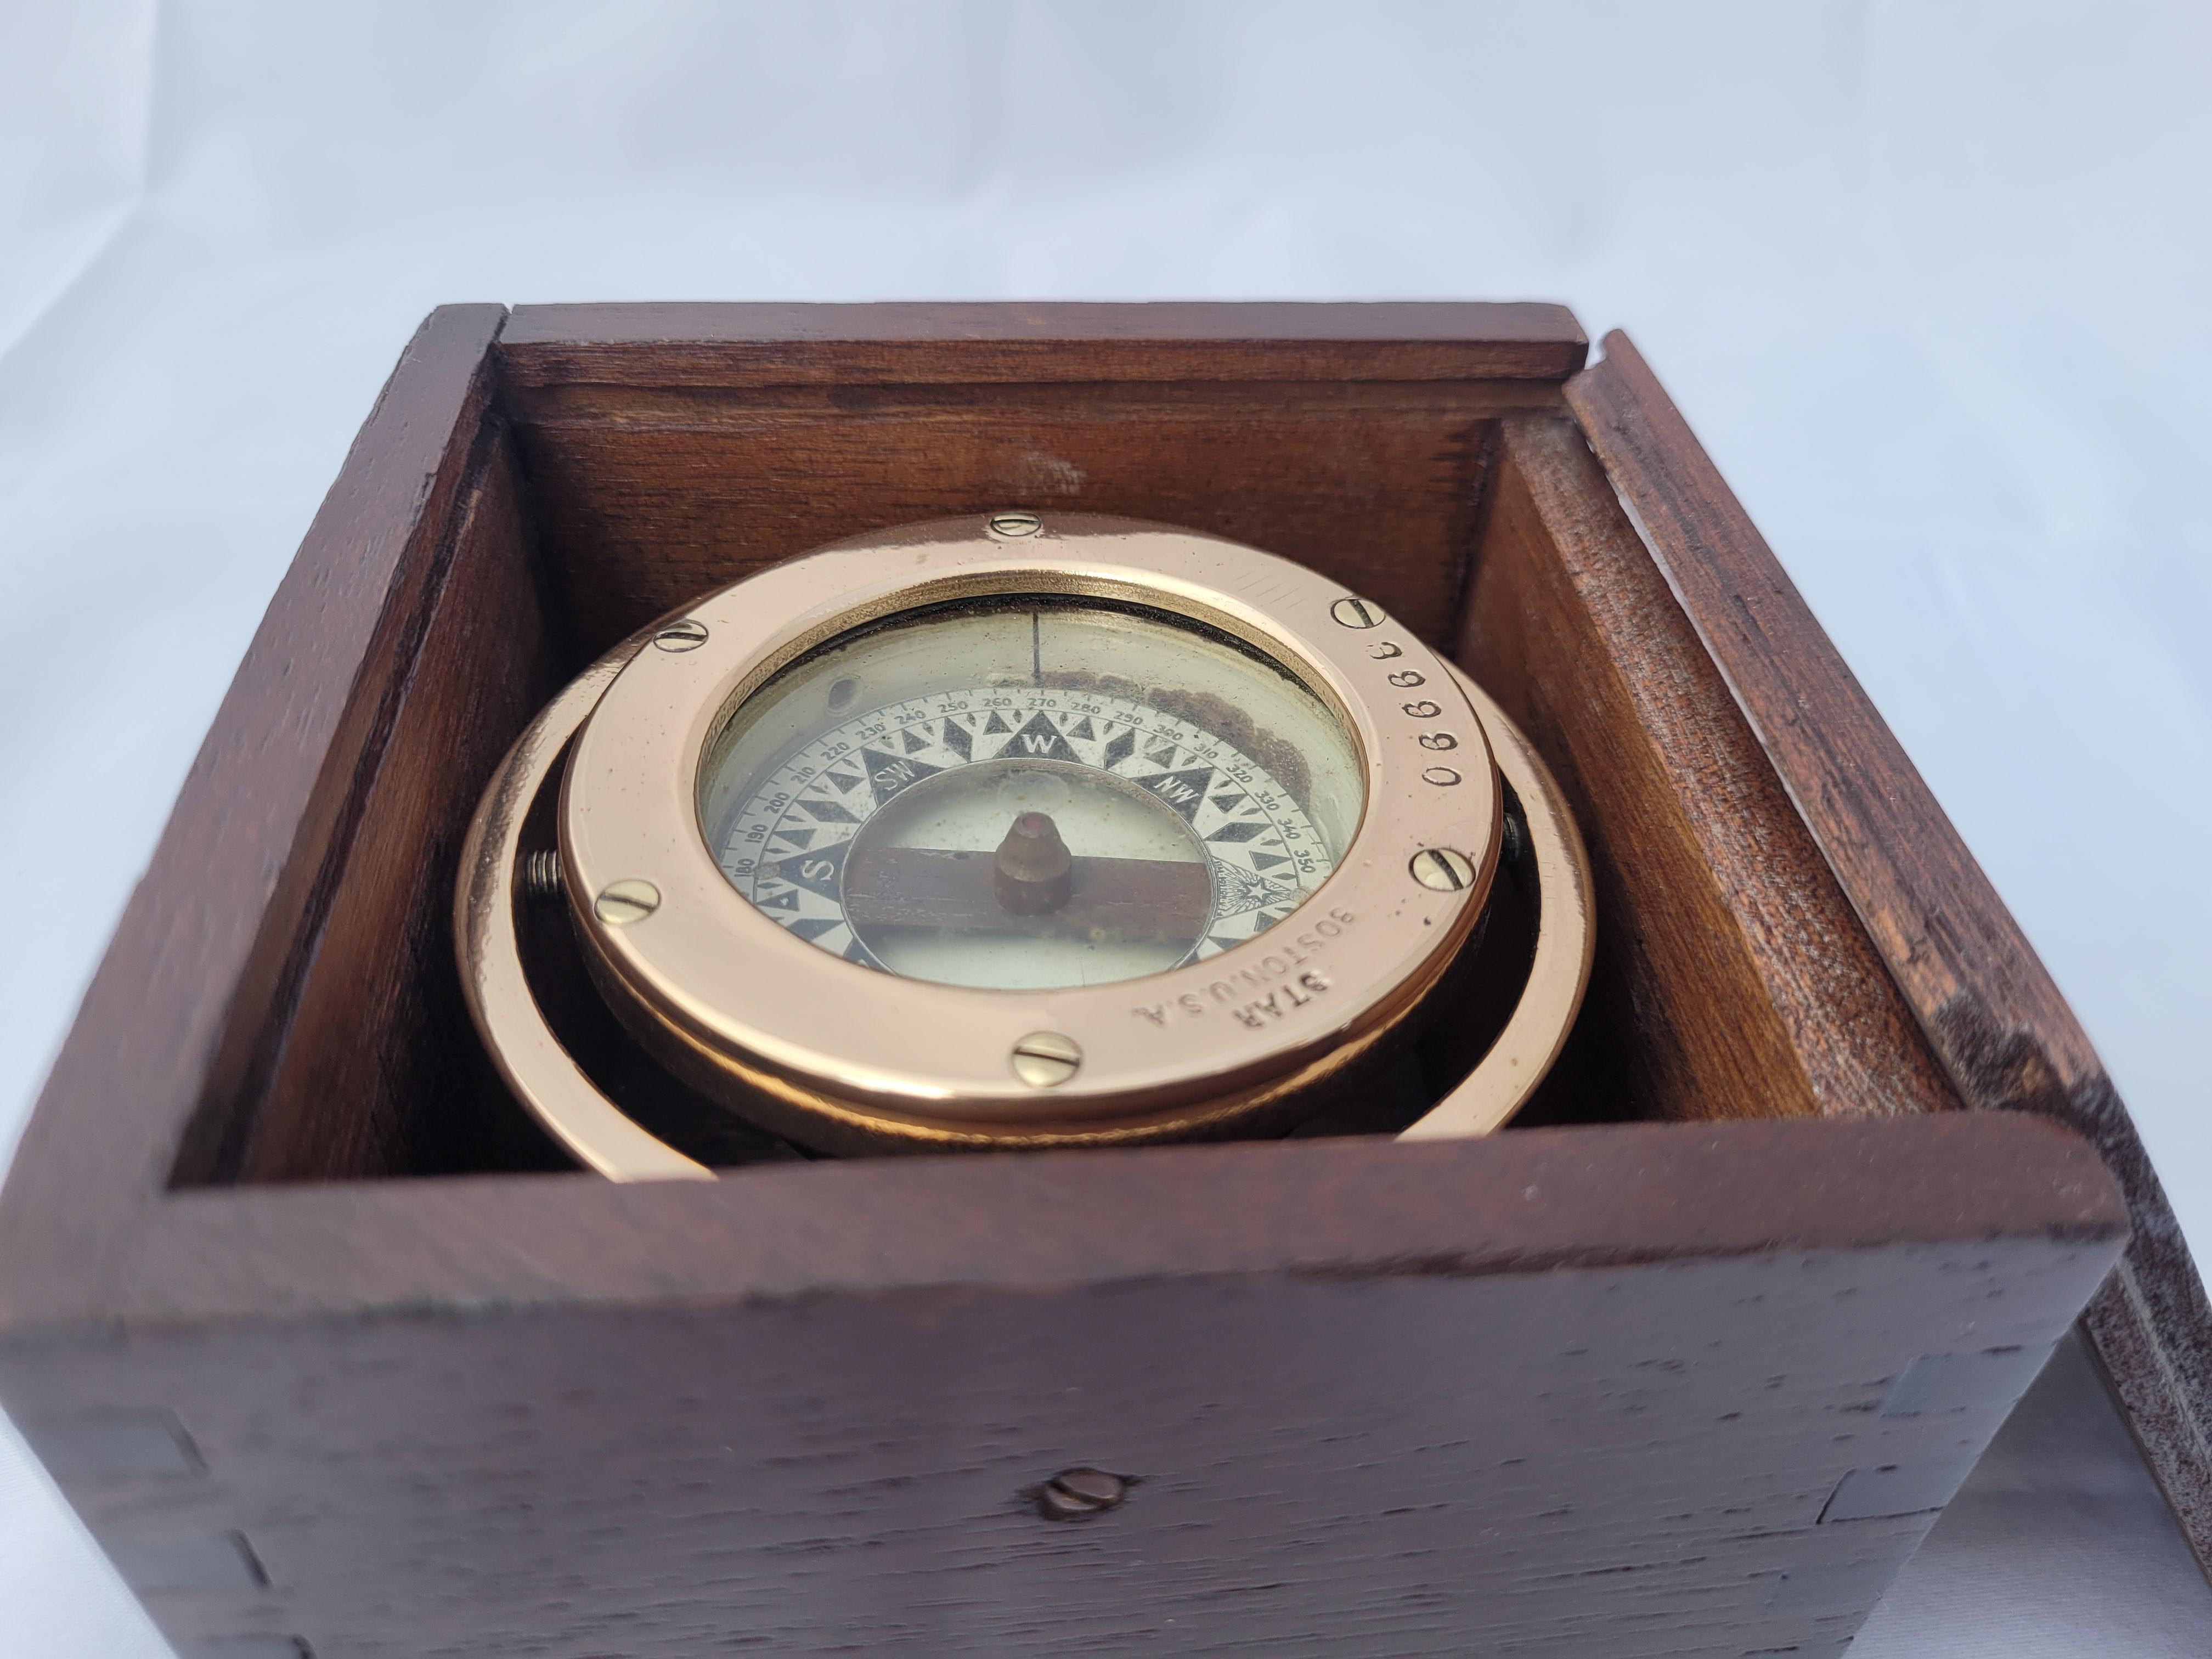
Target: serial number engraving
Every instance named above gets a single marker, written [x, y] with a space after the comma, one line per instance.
[1442, 777]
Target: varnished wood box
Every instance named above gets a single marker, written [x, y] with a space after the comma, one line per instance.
[334, 1358]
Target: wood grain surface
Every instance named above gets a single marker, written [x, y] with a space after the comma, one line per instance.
[372, 1068]
[265, 818]
[678, 448]
[1987, 1004]
[854, 347]
[1731, 979]
[1623, 1392]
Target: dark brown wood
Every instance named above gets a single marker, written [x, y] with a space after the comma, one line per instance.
[719, 347]
[1615, 1389]
[371, 1066]
[679, 448]
[1984, 999]
[1731, 979]
[265, 816]
[1379, 1399]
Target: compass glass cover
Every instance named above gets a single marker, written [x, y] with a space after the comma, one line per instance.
[1026, 793]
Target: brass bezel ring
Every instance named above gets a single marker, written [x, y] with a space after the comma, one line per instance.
[539, 1072]
[547, 1080]
[601, 1137]
[767, 1023]
[1523, 1052]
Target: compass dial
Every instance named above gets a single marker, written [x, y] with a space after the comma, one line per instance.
[1029, 794]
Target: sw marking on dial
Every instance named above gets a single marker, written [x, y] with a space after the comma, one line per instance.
[892, 820]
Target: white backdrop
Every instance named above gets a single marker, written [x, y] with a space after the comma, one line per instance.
[1930, 281]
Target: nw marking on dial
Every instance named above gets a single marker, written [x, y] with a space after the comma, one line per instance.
[784, 847]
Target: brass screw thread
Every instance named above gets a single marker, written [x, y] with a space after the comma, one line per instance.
[541, 875]
[1516, 837]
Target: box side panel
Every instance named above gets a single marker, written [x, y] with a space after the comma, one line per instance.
[651, 498]
[1987, 1003]
[1732, 978]
[244, 863]
[1585, 1196]
[917, 343]
[1708, 1457]
[372, 1069]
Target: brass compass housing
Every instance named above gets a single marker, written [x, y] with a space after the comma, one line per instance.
[1037, 831]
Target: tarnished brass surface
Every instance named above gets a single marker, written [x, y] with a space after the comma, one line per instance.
[1558, 974]
[528, 1054]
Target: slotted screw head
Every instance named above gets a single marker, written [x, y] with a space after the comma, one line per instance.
[1016, 523]
[625, 901]
[1357, 613]
[1044, 1058]
[1078, 1494]
[685, 635]
[1443, 869]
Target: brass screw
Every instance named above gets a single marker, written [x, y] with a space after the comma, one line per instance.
[1078, 1494]
[685, 635]
[1443, 869]
[1357, 613]
[1016, 523]
[1044, 1058]
[625, 902]
[1515, 836]
[541, 874]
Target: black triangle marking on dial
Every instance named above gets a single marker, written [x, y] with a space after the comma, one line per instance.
[798, 838]
[846, 782]
[1244, 831]
[996, 723]
[958, 740]
[1082, 728]
[1038, 740]
[1161, 758]
[1184, 791]
[1120, 749]
[1266, 860]
[1229, 803]
[776, 900]
[828, 812]
[814, 926]
[1221, 943]
[910, 743]
[821, 872]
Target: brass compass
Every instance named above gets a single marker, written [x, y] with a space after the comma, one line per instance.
[1036, 830]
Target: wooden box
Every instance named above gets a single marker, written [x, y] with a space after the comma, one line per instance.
[336, 1359]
